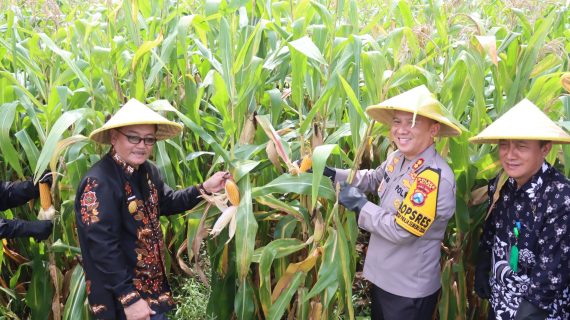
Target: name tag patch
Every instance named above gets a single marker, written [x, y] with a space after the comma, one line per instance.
[417, 212]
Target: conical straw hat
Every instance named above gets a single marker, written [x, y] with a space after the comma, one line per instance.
[524, 121]
[418, 100]
[133, 113]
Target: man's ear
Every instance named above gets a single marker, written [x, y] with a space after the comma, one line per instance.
[545, 149]
[434, 129]
[113, 135]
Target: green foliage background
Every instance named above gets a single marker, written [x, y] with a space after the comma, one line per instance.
[306, 69]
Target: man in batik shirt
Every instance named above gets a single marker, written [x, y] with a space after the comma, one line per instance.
[118, 206]
[524, 264]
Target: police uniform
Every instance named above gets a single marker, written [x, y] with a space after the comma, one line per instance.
[398, 261]
[417, 199]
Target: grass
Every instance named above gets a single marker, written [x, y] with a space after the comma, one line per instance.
[191, 298]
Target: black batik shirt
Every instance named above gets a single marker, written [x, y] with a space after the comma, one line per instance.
[542, 206]
[117, 212]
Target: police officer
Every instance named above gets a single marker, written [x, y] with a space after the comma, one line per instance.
[417, 198]
[524, 266]
[13, 194]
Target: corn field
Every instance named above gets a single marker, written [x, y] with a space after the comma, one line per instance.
[257, 85]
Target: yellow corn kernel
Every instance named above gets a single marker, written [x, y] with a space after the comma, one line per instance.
[306, 164]
[45, 196]
[233, 192]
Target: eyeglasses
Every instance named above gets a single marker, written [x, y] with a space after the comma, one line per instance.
[148, 141]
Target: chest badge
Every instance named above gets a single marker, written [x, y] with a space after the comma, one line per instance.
[133, 206]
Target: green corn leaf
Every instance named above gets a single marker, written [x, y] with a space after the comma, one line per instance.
[7, 114]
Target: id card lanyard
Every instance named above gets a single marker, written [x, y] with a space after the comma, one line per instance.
[514, 256]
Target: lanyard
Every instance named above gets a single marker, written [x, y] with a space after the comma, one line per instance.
[514, 254]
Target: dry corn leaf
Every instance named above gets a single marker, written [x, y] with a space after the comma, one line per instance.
[316, 310]
[273, 156]
[565, 80]
[273, 136]
[478, 196]
[489, 46]
[16, 257]
[317, 137]
[292, 269]
[248, 132]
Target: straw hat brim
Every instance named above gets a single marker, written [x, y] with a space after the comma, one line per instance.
[385, 115]
[524, 121]
[136, 113]
[419, 101]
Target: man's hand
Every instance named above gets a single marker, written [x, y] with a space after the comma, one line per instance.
[351, 198]
[139, 311]
[46, 177]
[216, 182]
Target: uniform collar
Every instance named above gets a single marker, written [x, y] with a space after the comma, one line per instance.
[421, 158]
[127, 168]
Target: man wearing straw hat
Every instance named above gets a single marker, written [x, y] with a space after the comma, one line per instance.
[416, 188]
[118, 205]
[524, 260]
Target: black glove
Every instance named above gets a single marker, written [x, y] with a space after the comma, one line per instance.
[482, 286]
[40, 229]
[327, 172]
[46, 178]
[528, 311]
[351, 198]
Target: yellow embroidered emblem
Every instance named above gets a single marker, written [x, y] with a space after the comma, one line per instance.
[407, 183]
[390, 168]
[417, 212]
[417, 164]
[133, 206]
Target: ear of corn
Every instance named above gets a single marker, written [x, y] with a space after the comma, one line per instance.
[306, 164]
[233, 192]
[45, 196]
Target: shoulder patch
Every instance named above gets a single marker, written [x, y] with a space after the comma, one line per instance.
[417, 211]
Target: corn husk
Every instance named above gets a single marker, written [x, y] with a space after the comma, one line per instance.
[223, 220]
